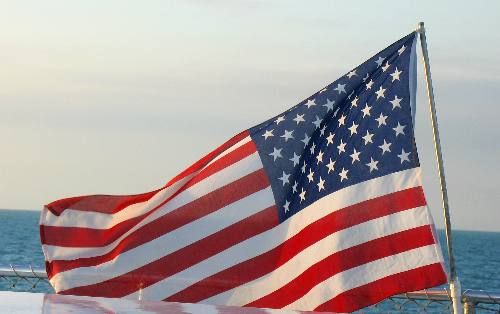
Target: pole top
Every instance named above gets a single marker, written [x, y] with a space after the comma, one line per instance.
[421, 28]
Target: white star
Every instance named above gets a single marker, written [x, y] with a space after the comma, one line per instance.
[369, 84]
[351, 74]
[302, 195]
[404, 156]
[310, 176]
[267, 134]
[295, 159]
[372, 164]
[287, 135]
[279, 119]
[312, 148]
[380, 92]
[368, 137]
[350, 95]
[354, 102]
[306, 140]
[395, 75]
[310, 103]
[379, 61]
[386, 66]
[286, 206]
[284, 178]
[321, 184]
[401, 50]
[299, 118]
[366, 110]
[319, 157]
[329, 105]
[322, 131]
[385, 147]
[294, 187]
[276, 153]
[329, 139]
[303, 168]
[330, 166]
[355, 156]
[399, 129]
[340, 88]
[366, 77]
[341, 146]
[353, 128]
[342, 120]
[343, 174]
[317, 122]
[381, 120]
[396, 102]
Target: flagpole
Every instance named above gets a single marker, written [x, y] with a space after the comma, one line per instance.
[454, 282]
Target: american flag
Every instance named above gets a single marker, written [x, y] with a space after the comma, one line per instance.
[319, 208]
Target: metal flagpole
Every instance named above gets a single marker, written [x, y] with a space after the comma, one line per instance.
[454, 282]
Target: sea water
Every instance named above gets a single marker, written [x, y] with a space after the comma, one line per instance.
[477, 253]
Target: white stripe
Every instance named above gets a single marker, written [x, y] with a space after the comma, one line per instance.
[167, 243]
[223, 177]
[268, 240]
[364, 274]
[315, 253]
[84, 219]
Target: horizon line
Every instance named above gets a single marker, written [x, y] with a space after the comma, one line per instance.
[440, 229]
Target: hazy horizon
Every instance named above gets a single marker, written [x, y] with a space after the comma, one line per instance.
[118, 97]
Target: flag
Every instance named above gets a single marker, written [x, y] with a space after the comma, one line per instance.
[319, 208]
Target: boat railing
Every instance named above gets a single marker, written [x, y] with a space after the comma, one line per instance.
[435, 300]
[23, 279]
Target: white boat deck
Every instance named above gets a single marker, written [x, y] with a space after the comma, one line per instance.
[32, 303]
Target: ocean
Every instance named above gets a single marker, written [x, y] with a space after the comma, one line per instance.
[477, 253]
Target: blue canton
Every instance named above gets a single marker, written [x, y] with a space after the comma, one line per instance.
[355, 129]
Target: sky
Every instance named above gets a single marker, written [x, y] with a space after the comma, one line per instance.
[117, 97]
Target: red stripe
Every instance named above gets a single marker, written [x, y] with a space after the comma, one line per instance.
[343, 260]
[205, 160]
[89, 237]
[181, 216]
[183, 258]
[230, 158]
[260, 265]
[376, 291]
[110, 204]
